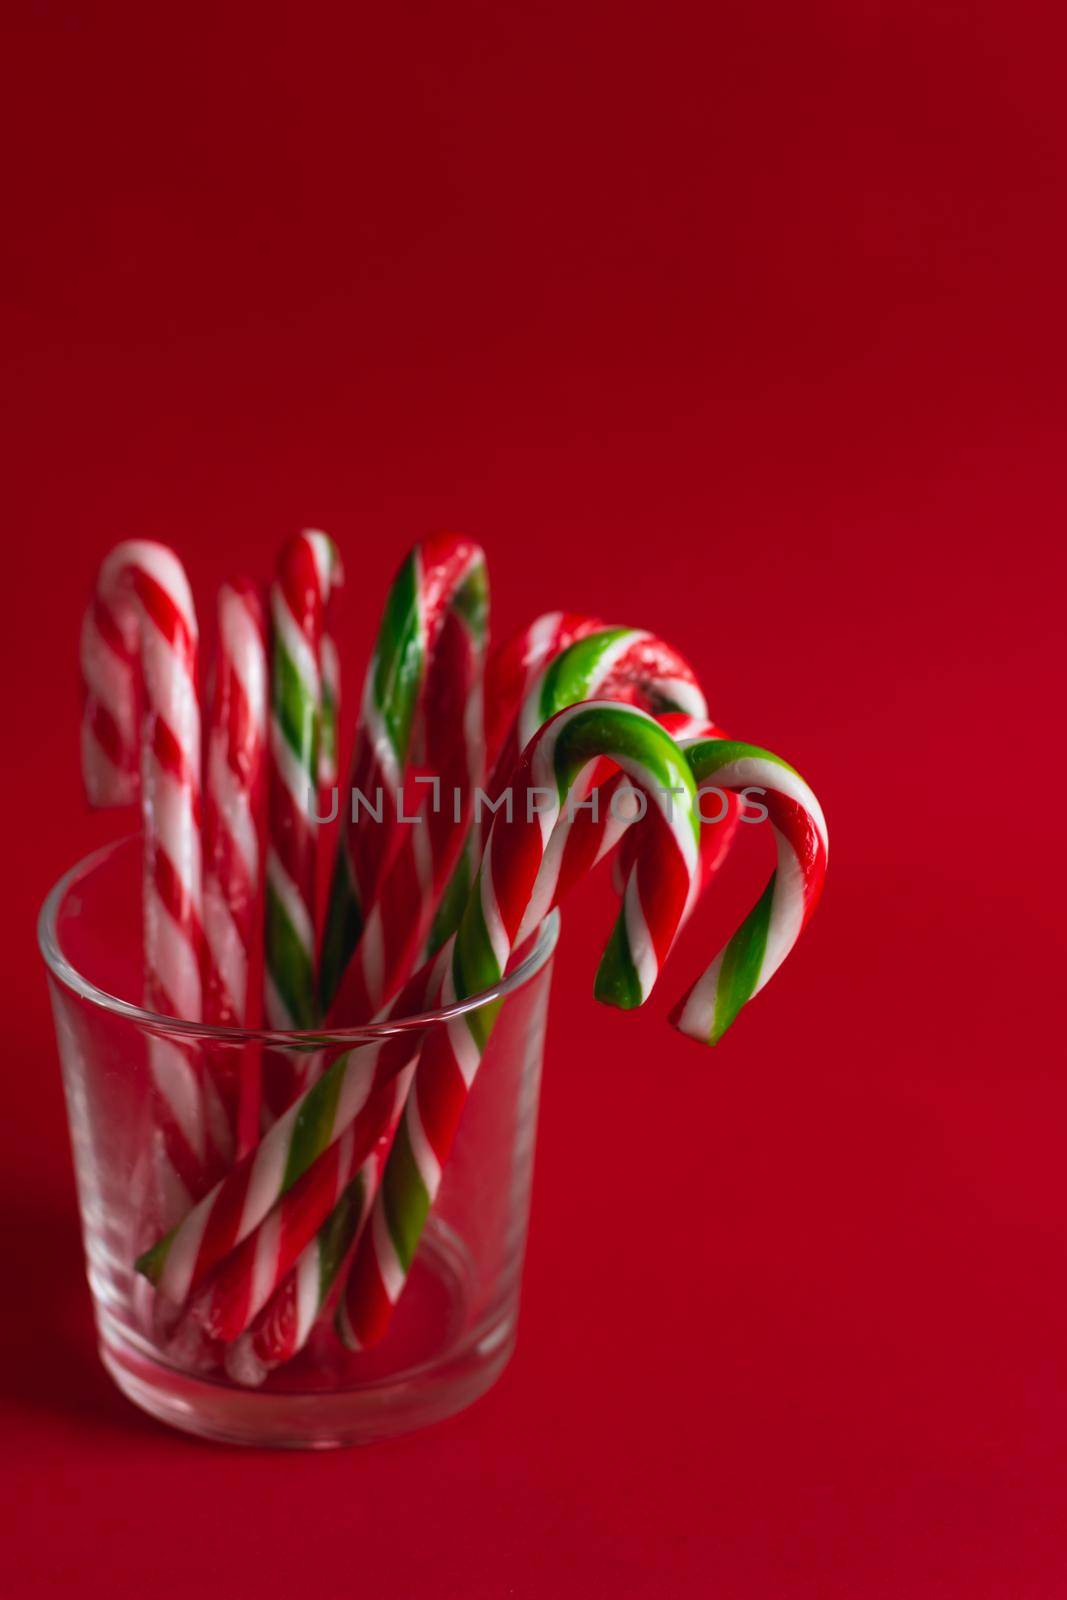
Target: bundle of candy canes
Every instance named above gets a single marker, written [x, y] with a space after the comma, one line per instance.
[291, 1185]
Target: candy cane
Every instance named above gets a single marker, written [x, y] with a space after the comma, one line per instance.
[309, 572]
[654, 903]
[179, 1262]
[236, 1290]
[284, 1323]
[240, 1287]
[234, 792]
[511, 671]
[139, 648]
[422, 709]
[514, 667]
[771, 929]
[282, 1327]
[565, 657]
[624, 664]
[329, 707]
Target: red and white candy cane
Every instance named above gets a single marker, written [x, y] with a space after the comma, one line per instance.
[286, 1322]
[234, 799]
[139, 652]
[307, 576]
[654, 903]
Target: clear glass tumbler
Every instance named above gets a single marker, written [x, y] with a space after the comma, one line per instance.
[455, 1324]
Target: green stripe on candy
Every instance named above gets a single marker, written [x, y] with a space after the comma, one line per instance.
[624, 734]
[711, 755]
[405, 1197]
[474, 964]
[471, 601]
[398, 660]
[564, 682]
[396, 675]
[742, 959]
[480, 1024]
[289, 962]
[568, 677]
[314, 1123]
[475, 967]
[616, 981]
[741, 963]
[309, 1138]
[450, 909]
[328, 727]
[295, 712]
[294, 708]
[337, 1233]
[152, 1262]
[620, 733]
[341, 931]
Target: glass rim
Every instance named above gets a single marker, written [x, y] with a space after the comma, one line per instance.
[66, 973]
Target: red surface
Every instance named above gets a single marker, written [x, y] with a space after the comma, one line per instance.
[746, 325]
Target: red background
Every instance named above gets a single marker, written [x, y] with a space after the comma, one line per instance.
[742, 323]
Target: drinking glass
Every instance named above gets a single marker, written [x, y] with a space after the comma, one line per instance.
[455, 1323]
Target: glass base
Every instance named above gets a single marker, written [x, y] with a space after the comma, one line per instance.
[433, 1363]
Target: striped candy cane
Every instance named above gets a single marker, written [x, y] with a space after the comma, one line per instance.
[576, 659]
[511, 671]
[329, 708]
[259, 1266]
[180, 1261]
[241, 1286]
[234, 794]
[421, 718]
[139, 650]
[236, 1290]
[515, 666]
[309, 571]
[772, 928]
[284, 1324]
[655, 900]
[717, 830]
[623, 664]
